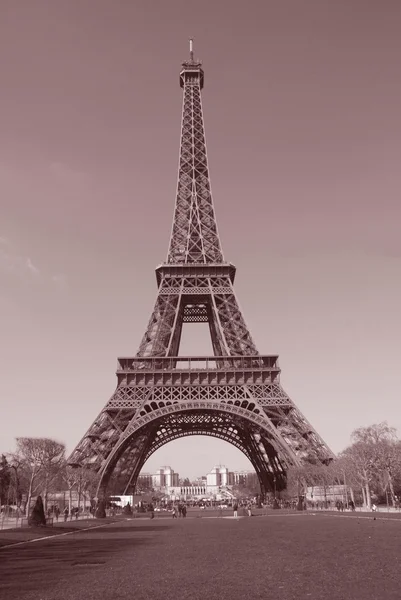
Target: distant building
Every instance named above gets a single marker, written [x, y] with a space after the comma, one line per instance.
[164, 477]
[215, 485]
[244, 477]
[187, 492]
[221, 480]
[202, 481]
[219, 476]
[331, 492]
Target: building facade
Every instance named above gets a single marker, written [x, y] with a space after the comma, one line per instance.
[219, 476]
[330, 493]
[188, 492]
[164, 478]
[217, 484]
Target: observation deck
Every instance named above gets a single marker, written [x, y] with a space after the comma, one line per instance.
[192, 71]
[198, 370]
[187, 269]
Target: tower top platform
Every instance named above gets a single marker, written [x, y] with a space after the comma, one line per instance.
[192, 72]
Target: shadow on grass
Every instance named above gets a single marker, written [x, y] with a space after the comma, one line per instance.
[26, 534]
[128, 530]
[15, 536]
[39, 566]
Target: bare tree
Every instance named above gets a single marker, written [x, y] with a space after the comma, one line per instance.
[300, 478]
[28, 457]
[41, 459]
[359, 459]
[5, 480]
[18, 478]
[343, 474]
[83, 480]
[70, 476]
[373, 460]
[52, 461]
[86, 481]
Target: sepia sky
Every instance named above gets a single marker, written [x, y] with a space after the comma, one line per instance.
[302, 114]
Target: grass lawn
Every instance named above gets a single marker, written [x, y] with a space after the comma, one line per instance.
[281, 556]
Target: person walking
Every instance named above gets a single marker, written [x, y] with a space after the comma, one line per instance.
[235, 509]
[66, 514]
[249, 509]
[184, 510]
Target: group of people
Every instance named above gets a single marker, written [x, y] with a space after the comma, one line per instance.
[340, 506]
[248, 509]
[54, 511]
[179, 510]
[329, 504]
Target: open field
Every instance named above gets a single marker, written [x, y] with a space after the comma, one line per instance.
[281, 556]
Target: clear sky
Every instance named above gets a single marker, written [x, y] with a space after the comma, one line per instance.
[302, 112]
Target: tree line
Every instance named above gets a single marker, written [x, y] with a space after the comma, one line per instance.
[39, 467]
[370, 468]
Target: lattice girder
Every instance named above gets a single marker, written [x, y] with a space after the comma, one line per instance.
[154, 388]
[194, 237]
[244, 387]
[213, 299]
[236, 394]
[234, 428]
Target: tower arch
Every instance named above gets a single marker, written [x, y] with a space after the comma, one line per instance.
[256, 438]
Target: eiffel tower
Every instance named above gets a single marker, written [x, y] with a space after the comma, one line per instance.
[234, 395]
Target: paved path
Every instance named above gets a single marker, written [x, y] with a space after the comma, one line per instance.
[12, 523]
[282, 557]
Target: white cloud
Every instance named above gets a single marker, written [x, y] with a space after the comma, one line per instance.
[31, 267]
[23, 267]
[60, 281]
[12, 262]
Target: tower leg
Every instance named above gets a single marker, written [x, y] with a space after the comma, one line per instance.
[100, 512]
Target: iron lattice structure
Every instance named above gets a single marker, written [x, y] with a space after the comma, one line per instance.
[236, 394]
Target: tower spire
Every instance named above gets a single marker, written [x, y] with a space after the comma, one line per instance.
[194, 237]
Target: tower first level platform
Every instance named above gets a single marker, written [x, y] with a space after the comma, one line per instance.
[236, 398]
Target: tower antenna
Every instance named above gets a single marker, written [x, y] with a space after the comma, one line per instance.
[191, 49]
